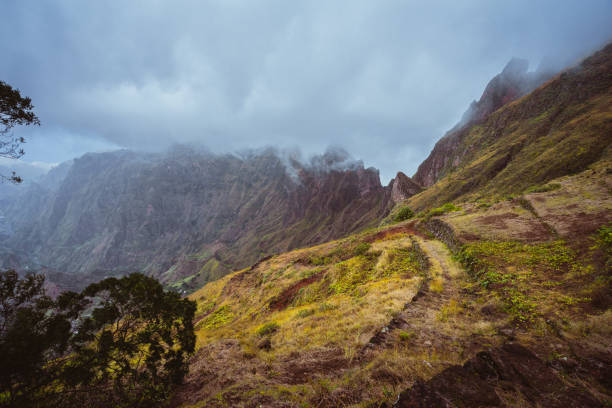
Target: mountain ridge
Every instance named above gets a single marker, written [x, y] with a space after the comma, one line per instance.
[512, 83]
[187, 211]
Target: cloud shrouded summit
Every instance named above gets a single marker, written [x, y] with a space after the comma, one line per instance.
[382, 79]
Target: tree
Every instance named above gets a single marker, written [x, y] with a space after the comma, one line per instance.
[14, 110]
[137, 341]
[34, 333]
[120, 342]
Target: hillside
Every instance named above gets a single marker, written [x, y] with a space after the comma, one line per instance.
[357, 321]
[560, 128]
[499, 297]
[186, 217]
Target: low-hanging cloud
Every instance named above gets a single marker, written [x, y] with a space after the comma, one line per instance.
[382, 79]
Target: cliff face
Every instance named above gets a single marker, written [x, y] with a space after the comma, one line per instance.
[403, 187]
[512, 83]
[186, 216]
[560, 128]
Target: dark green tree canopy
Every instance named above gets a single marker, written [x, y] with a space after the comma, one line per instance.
[120, 342]
[14, 110]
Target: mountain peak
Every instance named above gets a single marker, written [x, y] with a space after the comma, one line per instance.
[403, 187]
[516, 67]
[513, 82]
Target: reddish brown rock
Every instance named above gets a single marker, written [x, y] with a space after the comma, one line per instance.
[403, 187]
[490, 378]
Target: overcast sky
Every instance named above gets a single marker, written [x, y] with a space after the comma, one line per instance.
[383, 79]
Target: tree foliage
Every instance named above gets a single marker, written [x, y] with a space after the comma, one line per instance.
[14, 110]
[120, 342]
[405, 213]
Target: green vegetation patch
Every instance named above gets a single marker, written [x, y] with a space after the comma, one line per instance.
[267, 329]
[352, 273]
[516, 271]
[405, 213]
[406, 335]
[338, 254]
[304, 313]
[361, 249]
[403, 261]
[444, 209]
[604, 242]
[218, 318]
[543, 188]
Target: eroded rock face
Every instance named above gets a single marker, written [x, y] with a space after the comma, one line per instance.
[512, 83]
[501, 377]
[403, 187]
[188, 212]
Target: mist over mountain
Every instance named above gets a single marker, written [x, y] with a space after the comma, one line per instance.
[187, 213]
[383, 81]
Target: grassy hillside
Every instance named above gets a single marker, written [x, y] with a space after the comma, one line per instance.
[354, 322]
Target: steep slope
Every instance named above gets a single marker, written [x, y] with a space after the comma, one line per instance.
[560, 128]
[511, 84]
[360, 320]
[188, 214]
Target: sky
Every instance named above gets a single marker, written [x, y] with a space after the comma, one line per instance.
[382, 79]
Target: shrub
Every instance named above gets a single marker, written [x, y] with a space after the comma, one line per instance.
[604, 235]
[267, 329]
[405, 213]
[361, 249]
[406, 336]
[446, 208]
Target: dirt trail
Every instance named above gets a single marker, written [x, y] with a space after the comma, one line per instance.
[419, 319]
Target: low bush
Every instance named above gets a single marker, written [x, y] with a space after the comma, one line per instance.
[405, 213]
[406, 336]
[446, 208]
[267, 328]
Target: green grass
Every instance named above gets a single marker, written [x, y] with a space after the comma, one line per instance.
[517, 273]
[444, 209]
[406, 336]
[218, 318]
[304, 313]
[543, 188]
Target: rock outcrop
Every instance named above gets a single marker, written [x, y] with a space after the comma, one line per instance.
[510, 375]
[403, 187]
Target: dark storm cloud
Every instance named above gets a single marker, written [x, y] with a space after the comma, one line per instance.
[383, 79]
